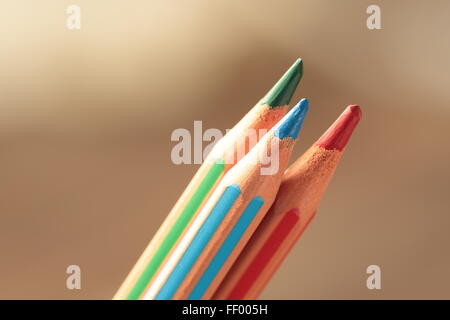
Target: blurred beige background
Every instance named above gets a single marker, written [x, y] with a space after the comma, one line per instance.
[86, 117]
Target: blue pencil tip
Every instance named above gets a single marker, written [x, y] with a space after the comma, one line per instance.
[291, 123]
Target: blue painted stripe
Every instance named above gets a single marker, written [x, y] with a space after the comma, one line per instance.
[199, 242]
[227, 247]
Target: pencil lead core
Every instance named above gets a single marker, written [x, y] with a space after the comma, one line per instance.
[283, 90]
[291, 123]
[339, 133]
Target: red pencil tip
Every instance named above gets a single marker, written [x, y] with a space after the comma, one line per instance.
[337, 136]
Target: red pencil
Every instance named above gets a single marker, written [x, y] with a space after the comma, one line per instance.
[295, 205]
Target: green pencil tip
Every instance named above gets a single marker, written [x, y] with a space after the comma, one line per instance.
[283, 90]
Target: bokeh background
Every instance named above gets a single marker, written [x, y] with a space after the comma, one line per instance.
[86, 118]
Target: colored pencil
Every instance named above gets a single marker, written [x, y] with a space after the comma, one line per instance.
[298, 198]
[207, 250]
[268, 111]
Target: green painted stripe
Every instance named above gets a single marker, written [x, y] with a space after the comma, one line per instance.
[174, 233]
